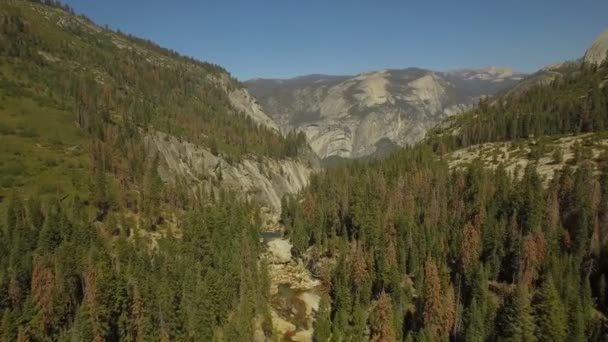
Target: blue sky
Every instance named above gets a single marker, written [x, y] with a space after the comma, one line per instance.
[280, 39]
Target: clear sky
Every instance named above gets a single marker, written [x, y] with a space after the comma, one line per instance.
[286, 38]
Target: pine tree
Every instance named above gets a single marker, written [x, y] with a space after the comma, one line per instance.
[558, 155]
[381, 320]
[516, 322]
[475, 326]
[577, 326]
[322, 330]
[359, 322]
[550, 314]
[439, 306]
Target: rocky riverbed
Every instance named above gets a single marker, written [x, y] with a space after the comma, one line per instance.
[295, 297]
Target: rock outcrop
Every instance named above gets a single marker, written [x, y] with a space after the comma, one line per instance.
[245, 103]
[295, 293]
[598, 52]
[242, 101]
[261, 179]
[348, 116]
[545, 76]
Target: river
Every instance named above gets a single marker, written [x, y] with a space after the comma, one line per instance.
[295, 293]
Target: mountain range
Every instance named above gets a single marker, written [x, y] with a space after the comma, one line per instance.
[365, 114]
[351, 116]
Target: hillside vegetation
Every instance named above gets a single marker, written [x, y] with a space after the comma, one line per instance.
[62, 77]
[548, 154]
[571, 104]
[94, 246]
[503, 238]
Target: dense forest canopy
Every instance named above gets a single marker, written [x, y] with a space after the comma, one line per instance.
[424, 253]
[63, 278]
[410, 249]
[94, 246]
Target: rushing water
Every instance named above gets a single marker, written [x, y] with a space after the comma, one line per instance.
[268, 236]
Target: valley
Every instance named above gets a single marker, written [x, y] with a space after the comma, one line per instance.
[149, 196]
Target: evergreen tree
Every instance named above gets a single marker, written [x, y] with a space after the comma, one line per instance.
[558, 155]
[475, 326]
[516, 322]
[381, 320]
[550, 314]
[322, 330]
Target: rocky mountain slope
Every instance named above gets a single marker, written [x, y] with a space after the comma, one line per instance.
[260, 179]
[126, 86]
[544, 76]
[595, 55]
[547, 154]
[348, 116]
[548, 125]
[598, 52]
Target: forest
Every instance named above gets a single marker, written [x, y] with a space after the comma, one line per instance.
[421, 253]
[573, 103]
[94, 246]
[63, 278]
[410, 249]
[78, 67]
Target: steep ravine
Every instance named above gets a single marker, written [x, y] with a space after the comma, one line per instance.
[293, 289]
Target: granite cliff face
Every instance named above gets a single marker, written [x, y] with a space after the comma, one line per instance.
[260, 179]
[598, 52]
[354, 116]
[242, 101]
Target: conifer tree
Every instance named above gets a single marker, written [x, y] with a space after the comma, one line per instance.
[475, 323]
[550, 314]
[516, 322]
[381, 320]
[322, 331]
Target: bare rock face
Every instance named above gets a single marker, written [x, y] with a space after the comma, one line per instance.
[243, 102]
[295, 293]
[545, 76]
[349, 116]
[261, 179]
[598, 52]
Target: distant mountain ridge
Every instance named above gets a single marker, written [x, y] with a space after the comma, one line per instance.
[598, 52]
[347, 116]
